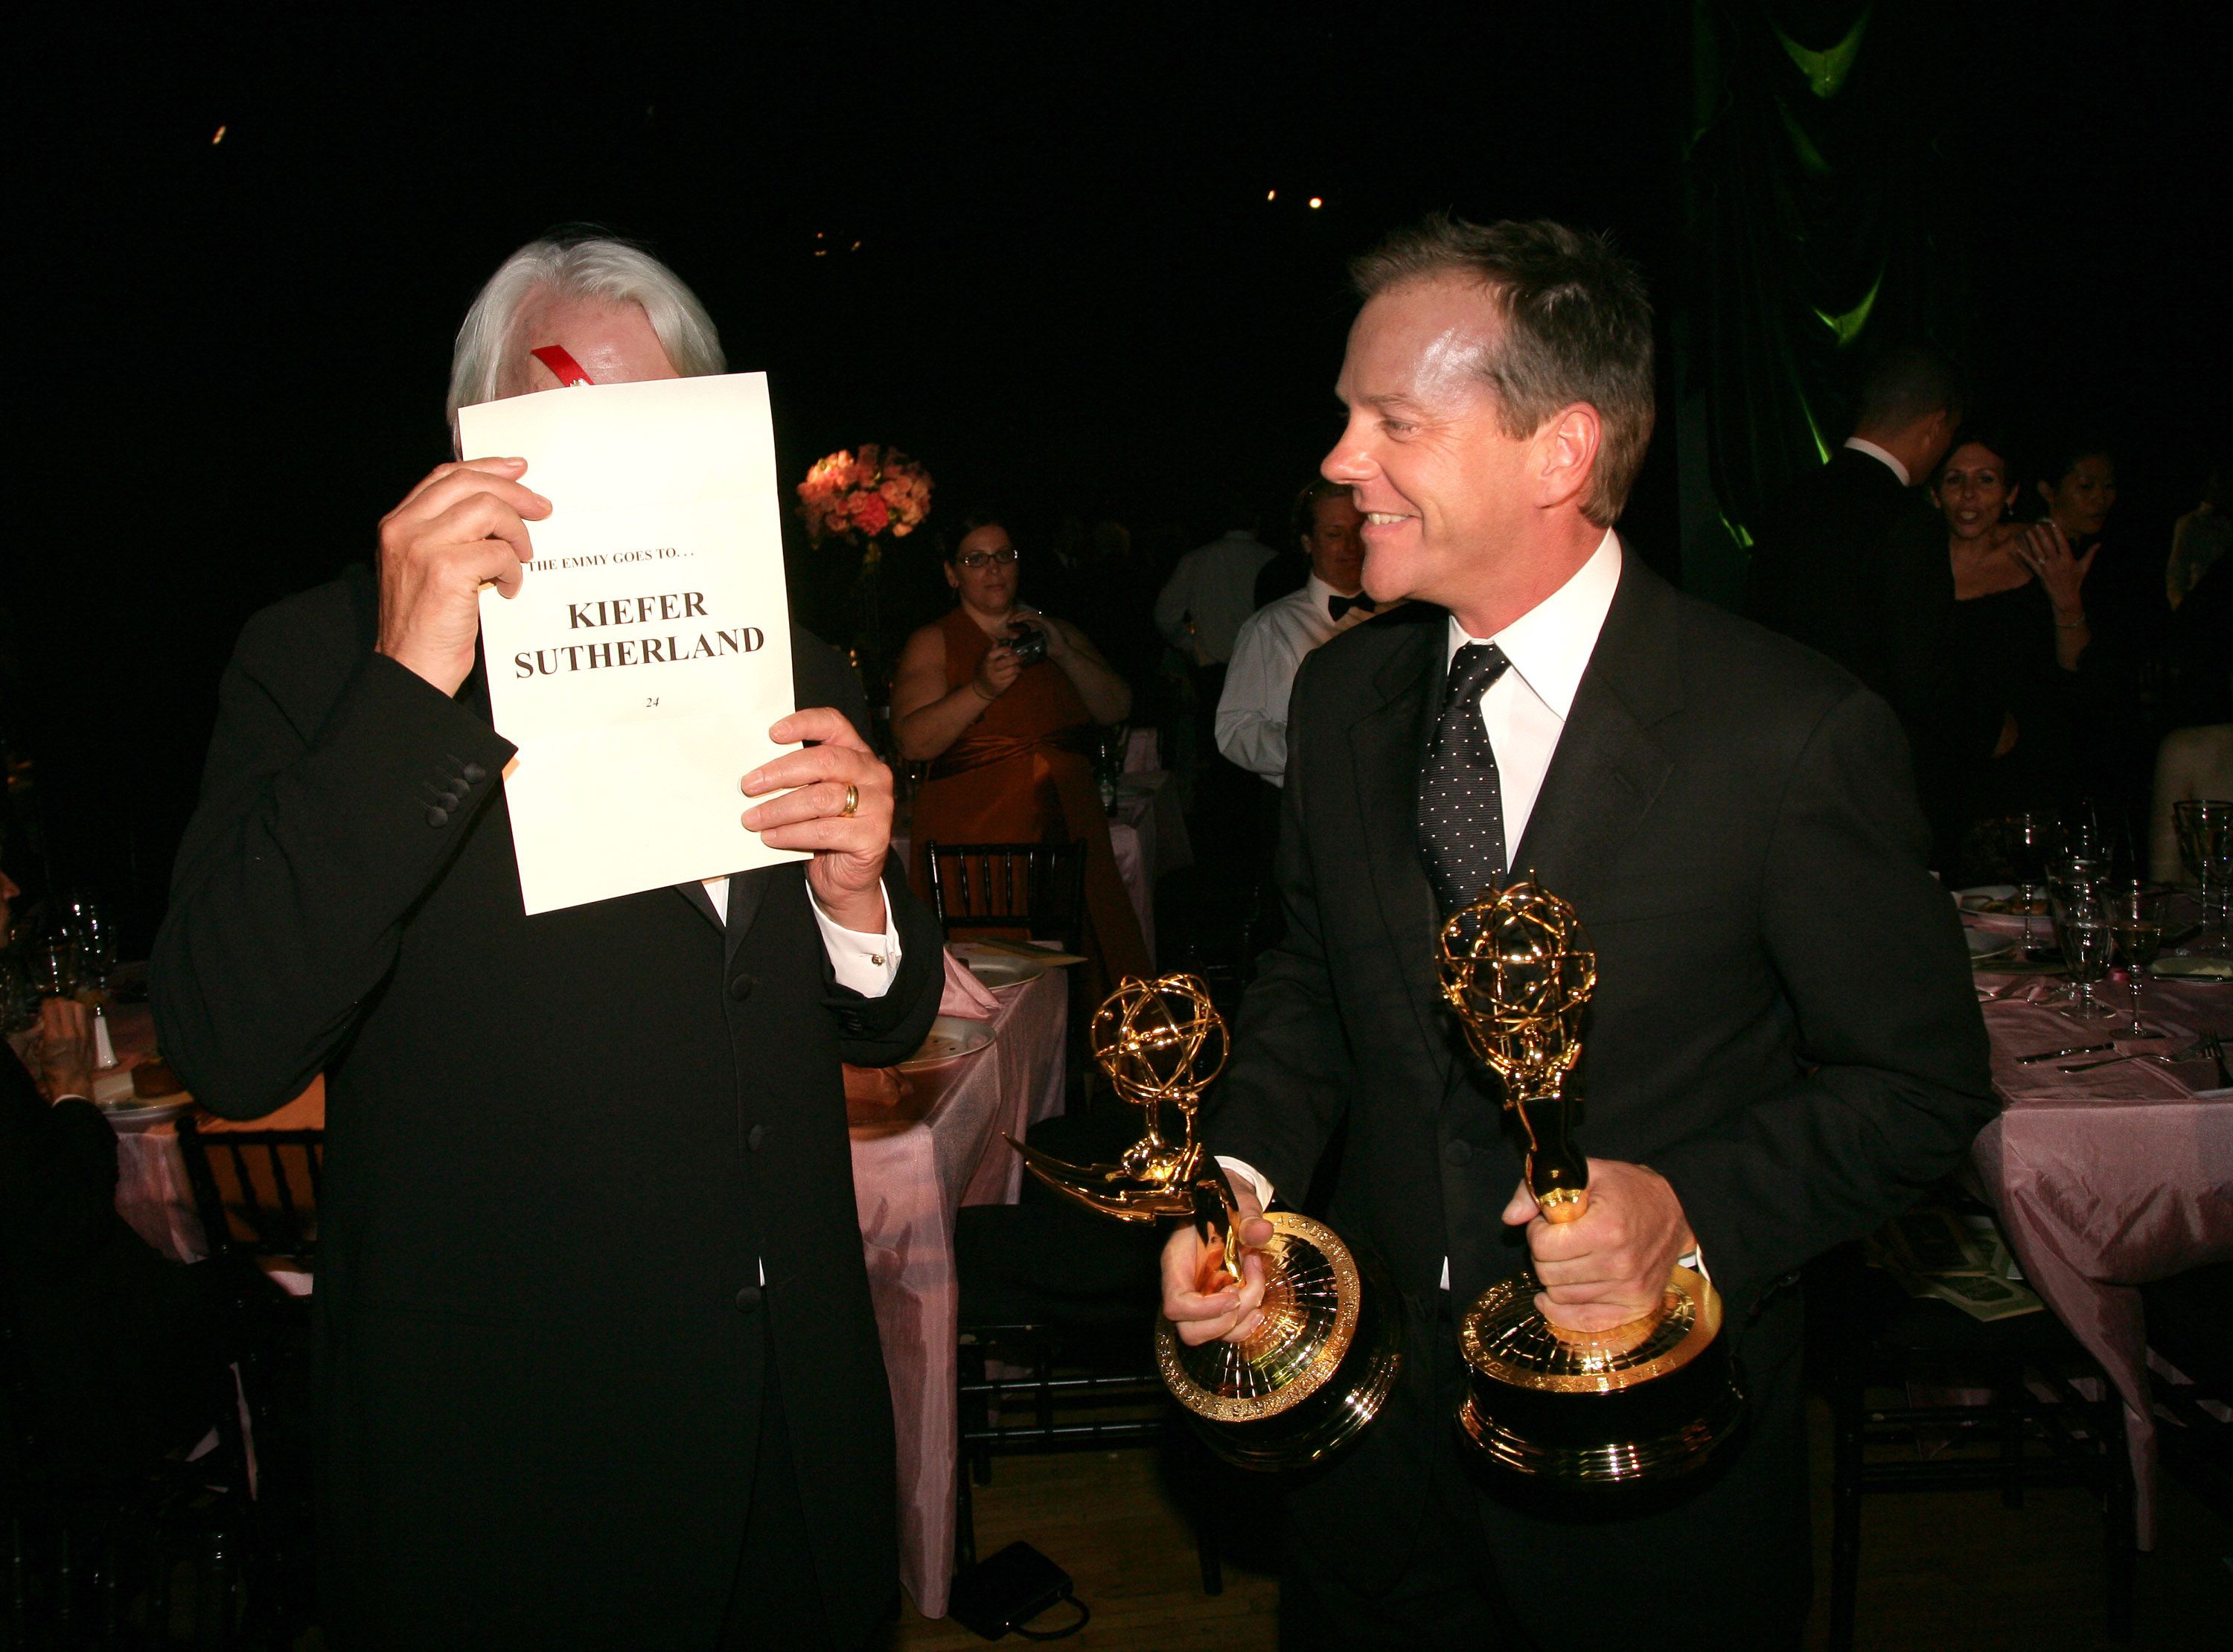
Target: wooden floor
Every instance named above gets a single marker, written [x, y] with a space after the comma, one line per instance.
[1940, 1572]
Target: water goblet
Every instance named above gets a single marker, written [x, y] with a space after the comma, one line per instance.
[2083, 930]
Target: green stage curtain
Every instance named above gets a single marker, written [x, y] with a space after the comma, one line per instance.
[1816, 179]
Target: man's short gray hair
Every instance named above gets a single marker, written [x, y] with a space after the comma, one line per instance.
[1578, 327]
[490, 360]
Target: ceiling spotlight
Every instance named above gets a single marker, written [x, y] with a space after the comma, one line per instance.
[1271, 194]
[1316, 203]
[219, 138]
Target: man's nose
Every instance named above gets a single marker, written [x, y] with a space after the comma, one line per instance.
[1348, 462]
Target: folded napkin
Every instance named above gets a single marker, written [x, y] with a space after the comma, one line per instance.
[965, 996]
[874, 1086]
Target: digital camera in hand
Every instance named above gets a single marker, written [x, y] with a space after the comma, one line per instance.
[1028, 643]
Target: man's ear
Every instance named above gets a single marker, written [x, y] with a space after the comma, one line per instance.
[1565, 453]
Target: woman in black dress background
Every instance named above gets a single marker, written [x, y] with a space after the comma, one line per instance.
[2019, 633]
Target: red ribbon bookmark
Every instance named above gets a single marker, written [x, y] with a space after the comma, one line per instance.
[568, 369]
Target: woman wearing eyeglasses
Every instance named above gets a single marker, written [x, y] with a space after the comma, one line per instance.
[1003, 702]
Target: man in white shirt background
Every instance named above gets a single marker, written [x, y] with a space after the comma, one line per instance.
[1252, 717]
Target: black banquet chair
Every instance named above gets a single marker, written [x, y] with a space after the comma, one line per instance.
[2040, 1428]
[1035, 888]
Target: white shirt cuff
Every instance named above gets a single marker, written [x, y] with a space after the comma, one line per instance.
[1242, 1170]
[867, 964]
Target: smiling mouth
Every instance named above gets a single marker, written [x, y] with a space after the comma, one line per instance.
[1383, 519]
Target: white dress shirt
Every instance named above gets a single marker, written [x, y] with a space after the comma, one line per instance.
[1861, 445]
[1526, 708]
[1210, 592]
[1252, 717]
[867, 964]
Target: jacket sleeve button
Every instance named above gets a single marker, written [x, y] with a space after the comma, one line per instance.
[754, 1137]
[474, 774]
[437, 817]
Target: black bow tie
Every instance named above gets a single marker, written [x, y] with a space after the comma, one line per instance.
[1338, 606]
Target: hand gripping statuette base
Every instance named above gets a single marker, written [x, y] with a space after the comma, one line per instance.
[1320, 1365]
[1642, 1403]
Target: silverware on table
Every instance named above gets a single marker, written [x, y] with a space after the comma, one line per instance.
[2057, 1055]
[2136, 1054]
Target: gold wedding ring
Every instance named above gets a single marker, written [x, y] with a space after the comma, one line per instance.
[852, 801]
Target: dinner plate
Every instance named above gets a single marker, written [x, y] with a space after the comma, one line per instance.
[1985, 943]
[994, 969]
[2194, 967]
[952, 1037]
[134, 1114]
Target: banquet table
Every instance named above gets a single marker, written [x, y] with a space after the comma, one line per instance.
[2105, 1179]
[152, 1194]
[913, 1166]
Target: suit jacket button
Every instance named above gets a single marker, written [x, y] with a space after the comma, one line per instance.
[753, 1137]
[437, 817]
[740, 987]
[748, 1299]
[1455, 1153]
[474, 774]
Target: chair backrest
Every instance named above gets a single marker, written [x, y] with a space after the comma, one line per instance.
[256, 1191]
[1037, 888]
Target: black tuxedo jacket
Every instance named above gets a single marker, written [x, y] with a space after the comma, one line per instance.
[1783, 1026]
[560, 1152]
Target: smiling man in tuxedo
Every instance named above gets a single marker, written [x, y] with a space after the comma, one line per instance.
[1783, 1047]
[596, 1365]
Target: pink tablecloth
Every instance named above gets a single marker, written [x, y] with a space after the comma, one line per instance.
[911, 1177]
[2108, 1179]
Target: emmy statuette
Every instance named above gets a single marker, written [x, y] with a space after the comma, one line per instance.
[1644, 1402]
[1321, 1362]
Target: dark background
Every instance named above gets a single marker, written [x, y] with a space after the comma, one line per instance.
[1069, 292]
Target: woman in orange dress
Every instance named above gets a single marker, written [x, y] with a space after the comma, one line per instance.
[1010, 738]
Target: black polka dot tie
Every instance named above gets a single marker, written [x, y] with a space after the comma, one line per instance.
[1461, 804]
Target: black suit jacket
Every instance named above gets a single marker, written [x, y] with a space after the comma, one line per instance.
[1784, 1025]
[1852, 564]
[560, 1150]
[1818, 557]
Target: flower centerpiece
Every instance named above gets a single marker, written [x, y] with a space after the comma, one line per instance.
[880, 491]
[858, 499]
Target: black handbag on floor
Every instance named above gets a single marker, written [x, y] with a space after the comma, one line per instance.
[1005, 1592]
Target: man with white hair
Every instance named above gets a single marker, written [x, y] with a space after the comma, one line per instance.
[596, 1363]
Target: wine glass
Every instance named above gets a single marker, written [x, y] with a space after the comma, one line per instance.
[2136, 917]
[54, 968]
[2083, 930]
[2028, 839]
[2082, 837]
[84, 922]
[2205, 847]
